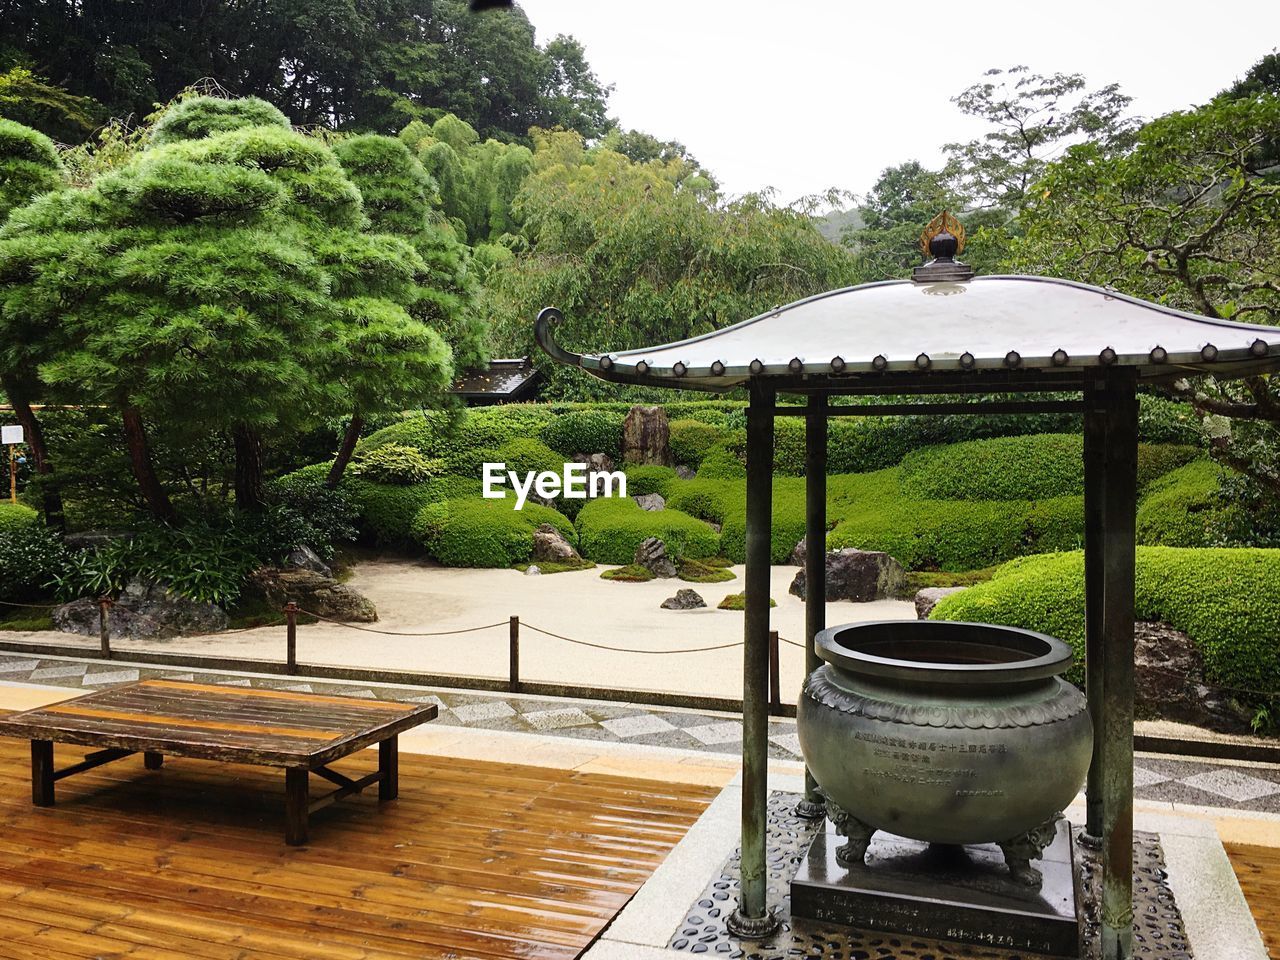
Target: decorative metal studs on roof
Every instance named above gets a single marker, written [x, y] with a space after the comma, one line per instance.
[880, 362]
[1013, 360]
[1258, 348]
[606, 363]
[923, 361]
[967, 360]
[1159, 354]
[1107, 356]
[1060, 357]
[796, 365]
[1209, 352]
[717, 369]
[679, 369]
[642, 367]
[756, 366]
[837, 364]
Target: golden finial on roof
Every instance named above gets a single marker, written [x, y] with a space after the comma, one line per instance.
[942, 223]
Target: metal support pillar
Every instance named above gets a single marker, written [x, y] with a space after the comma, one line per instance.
[812, 805]
[1111, 481]
[752, 919]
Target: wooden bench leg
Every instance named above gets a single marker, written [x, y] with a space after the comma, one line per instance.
[389, 767]
[297, 802]
[153, 761]
[42, 773]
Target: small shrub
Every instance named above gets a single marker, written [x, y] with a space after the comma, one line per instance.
[631, 573]
[476, 532]
[31, 557]
[690, 440]
[387, 511]
[304, 511]
[1003, 468]
[395, 463]
[721, 463]
[1162, 421]
[16, 516]
[611, 529]
[1055, 524]
[646, 478]
[738, 601]
[708, 499]
[700, 571]
[585, 431]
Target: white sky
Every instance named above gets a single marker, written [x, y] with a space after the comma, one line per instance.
[803, 95]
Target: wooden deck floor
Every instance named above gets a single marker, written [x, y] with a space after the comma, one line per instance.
[474, 861]
[1258, 870]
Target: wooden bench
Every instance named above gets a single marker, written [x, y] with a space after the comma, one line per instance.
[301, 732]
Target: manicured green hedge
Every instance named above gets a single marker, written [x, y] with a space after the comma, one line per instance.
[476, 532]
[585, 431]
[1178, 509]
[610, 529]
[1226, 600]
[691, 439]
[16, 516]
[387, 510]
[721, 463]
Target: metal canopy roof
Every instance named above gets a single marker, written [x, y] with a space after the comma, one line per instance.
[999, 332]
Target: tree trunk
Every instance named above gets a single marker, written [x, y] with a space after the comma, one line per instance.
[16, 391]
[249, 488]
[344, 452]
[144, 470]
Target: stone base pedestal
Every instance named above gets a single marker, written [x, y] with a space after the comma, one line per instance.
[962, 894]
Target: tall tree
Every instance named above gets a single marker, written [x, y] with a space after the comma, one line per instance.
[29, 167]
[906, 197]
[1190, 217]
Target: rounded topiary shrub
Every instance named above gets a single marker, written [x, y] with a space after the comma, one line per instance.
[387, 510]
[475, 532]
[16, 516]
[610, 529]
[722, 463]
[1179, 509]
[647, 478]
[1003, 468]
[1226, 600]
[691, 439]
[585, 431]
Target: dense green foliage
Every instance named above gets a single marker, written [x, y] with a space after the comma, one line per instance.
[585, 431]
[31, 557]
[16, 516]
[1226, 600]
[690, 440]
[29, 166]
[1180, 508]
[610, 529]
[642, 479]
[395, 463]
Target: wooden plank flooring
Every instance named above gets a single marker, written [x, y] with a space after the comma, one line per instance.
[1258, 870]
[474, 861]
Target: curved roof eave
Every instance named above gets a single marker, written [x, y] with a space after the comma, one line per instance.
[899, 334]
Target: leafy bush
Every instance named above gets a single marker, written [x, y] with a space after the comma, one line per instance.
[699, 571]
[1161, 420]
[708, 498]
[690, 440]
[787, 525]
[1179, 509]
[16, 516]
[395, 463]
[386, 510]
[721, 463]
[1226, 600]
[476, 532]
[646, 478]
[610, 529]
[1157, 459]
[31, 557]
[1004, 468]
[585, 431]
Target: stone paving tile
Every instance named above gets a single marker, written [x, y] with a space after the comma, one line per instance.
[19, 666]
[56, 673]
[490, 710]
[637, 726]
[1232, 783]
[730, 731]
[297, 687]
[180, 676]
[1142, 777]
[544, 720]
[787, 741]
[115, 676]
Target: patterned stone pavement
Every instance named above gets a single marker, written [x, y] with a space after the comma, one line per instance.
[1197, 782]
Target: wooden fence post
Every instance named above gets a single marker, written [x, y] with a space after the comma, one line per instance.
[775, 682]
[104, 625]
[291, 637]
[514, 683]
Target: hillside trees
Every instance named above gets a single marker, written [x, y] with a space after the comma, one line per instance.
[208, 285]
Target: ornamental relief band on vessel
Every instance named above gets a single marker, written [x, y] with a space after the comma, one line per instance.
[1064, 704]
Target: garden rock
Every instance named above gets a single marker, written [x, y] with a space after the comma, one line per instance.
[686, 473]
[684, 599]
[93, 539]
[533, 570]
[144, 612]
[550, 546]
[646, 436]
[596, 462]
[927, 598]
[652, 555]
[858, 575]
[1170, 682]
[798, 553]
[322, 596]
[650, 501]
[303, 557]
